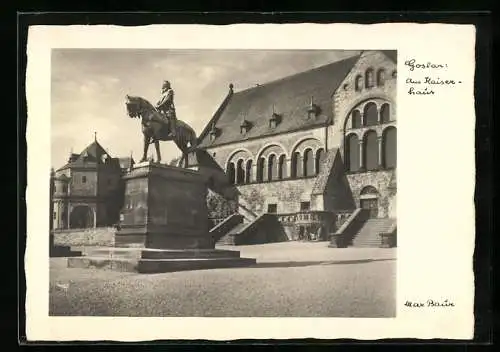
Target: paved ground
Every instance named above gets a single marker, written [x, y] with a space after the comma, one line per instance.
[290, 279]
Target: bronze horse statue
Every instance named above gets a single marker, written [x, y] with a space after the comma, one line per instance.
[155, 130]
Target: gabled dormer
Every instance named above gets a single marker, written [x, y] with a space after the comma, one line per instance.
[213, 132]
[275, 119]
[313, 110]
[245, 125]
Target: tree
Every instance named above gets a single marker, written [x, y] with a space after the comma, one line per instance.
[218, 206]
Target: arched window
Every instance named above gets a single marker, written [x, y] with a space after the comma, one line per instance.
[356, 119]
[231, 173]
[240, 173]
[381, 77]
[371, 114]
[385, 113]
[248, 171]
[351, 152]
[369, 78]
[271, 167]
[260, 169]
[389, 147]
[320, 159]
[368, 190]
[282, 167]
[308, 162]
[296, 169]
[358, 83]
[371, 150]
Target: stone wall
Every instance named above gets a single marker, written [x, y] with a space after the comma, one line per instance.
[393, 207]
[378, 179]
[100, 236]
[80, 188]
[287, 194]
[109, 179]
[346, 97]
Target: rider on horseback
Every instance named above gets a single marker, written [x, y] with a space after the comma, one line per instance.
[166, 108]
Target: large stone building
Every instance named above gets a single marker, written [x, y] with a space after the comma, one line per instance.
[88, 191]
[309, 155]
[309, 149]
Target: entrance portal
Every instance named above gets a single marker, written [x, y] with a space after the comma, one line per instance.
[371, 205]
[369, 201]
[81, 217]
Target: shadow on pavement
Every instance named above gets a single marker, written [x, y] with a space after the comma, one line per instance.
[292, 264]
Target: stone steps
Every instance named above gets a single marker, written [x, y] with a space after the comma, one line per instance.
[151, 253]
[157, 265]
[150, 260]
[228, 238]
[368, 235]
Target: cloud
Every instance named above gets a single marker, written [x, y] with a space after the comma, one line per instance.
[89, 85]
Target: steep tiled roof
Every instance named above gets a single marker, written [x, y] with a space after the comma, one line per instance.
[290, 98]
[90, 157]
[93, 152]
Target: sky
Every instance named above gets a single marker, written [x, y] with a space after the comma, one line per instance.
[88, 89]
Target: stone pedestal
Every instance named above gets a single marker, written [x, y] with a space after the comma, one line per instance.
[60, 251]
[165, 207]
[164, 226]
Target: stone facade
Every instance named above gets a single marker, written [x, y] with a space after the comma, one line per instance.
[287, 195]
[377, 179]
[284, 173]
[311, 148]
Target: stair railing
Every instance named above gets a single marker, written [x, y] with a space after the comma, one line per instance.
[344, 235]
[222, 228]
[248, 211]
[388, 239]
[250, 225]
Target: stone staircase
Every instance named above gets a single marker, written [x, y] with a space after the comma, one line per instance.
[265, 228]
[237, 224]
[369, 234]
[230, 236]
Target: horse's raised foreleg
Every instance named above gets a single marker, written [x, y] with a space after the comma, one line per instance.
[158, 154]
[146, 146]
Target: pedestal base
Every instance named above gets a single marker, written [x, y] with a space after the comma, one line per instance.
[63, 251]
[60, 251]
[164, 226]
[146, 260]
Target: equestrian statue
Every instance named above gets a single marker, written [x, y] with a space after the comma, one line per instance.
[160, 123]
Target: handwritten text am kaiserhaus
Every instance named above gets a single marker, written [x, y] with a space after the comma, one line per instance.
[426, 78]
